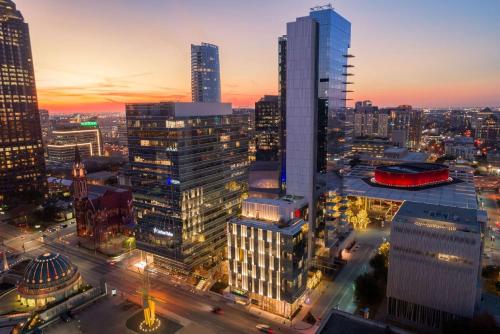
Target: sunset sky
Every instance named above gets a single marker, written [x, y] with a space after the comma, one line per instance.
[96, 55]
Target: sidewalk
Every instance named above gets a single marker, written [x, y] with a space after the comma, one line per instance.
[320, 299]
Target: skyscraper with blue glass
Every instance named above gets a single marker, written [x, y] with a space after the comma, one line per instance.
[205, 73]
[334, 41]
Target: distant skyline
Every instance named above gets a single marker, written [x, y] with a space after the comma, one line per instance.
[95, 56]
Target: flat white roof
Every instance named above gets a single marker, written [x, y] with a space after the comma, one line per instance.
[460, 195]
[439, 213]
[291, 229]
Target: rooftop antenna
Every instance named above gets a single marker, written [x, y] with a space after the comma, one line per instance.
[322, 7]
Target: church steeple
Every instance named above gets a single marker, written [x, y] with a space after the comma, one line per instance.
[79, 177]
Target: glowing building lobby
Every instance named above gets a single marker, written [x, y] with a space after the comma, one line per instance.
[267, 253]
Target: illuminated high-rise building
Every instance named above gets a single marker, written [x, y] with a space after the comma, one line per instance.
[410, 121]
[22, 165]
[86, 135]
[188, 171]
[334, 41]
[268, 128]
[205, 73]
[267, 253]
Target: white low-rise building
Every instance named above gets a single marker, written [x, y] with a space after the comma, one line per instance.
[267, 253]
[434, 264]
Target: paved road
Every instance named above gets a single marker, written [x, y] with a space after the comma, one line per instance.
[170, 299]
[188, 306]
[488, 202]
[342, 289]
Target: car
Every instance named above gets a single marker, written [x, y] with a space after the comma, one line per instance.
[264, 328]
[65, 318]
[64, 226]
[217, 310]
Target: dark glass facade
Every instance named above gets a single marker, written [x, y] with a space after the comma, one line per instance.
[205, 73]
[22, 165]
[188, 176]
[268, 129]
[333, 46]
[282, 45]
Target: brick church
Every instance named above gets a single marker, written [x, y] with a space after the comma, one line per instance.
[102, 212]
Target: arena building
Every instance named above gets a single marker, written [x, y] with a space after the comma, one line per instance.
[380, 191]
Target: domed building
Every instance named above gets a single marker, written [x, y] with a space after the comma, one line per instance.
[50, 278]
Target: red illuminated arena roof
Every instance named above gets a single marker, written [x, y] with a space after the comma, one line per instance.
[411, 175]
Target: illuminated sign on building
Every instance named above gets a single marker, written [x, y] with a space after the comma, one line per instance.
[88, 124]
[162, 232]
[171, 181]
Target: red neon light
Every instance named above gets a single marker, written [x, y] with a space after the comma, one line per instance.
[411, 179]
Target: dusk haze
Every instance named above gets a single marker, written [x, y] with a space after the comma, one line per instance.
[249, 166]
[97, 55]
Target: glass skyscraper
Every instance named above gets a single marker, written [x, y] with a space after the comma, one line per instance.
[333, 53]
[22, 165]
[188, 171]
[268, 128]
[205, 73]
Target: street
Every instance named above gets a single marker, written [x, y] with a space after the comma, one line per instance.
[340, 292]
[171, 300]
[489, 202]
[192, 306]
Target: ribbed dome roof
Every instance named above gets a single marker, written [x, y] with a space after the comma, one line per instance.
[48, 270]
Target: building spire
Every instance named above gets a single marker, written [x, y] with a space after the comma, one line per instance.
[77, 155]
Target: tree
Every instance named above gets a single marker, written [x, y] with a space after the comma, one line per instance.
[362, 220]
[378, 262]
[47, 214]
[384, 250]
[368, 291]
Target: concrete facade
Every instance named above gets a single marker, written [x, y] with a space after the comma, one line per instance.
[434, 264]
[302, 113]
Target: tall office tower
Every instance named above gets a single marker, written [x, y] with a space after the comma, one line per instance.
[249, 113]
[459, 120]
[333, 44]
[434, 264]
[267, 253]
[369, 121]
[205, 73]
[44, 124]
[268, 129]
[410, 120]
[488, 127]
[282, 100]
[65, 136]
[22, 165]
[188, 171]
[302, 114]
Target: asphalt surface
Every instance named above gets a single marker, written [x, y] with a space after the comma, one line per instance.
[174, 302]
